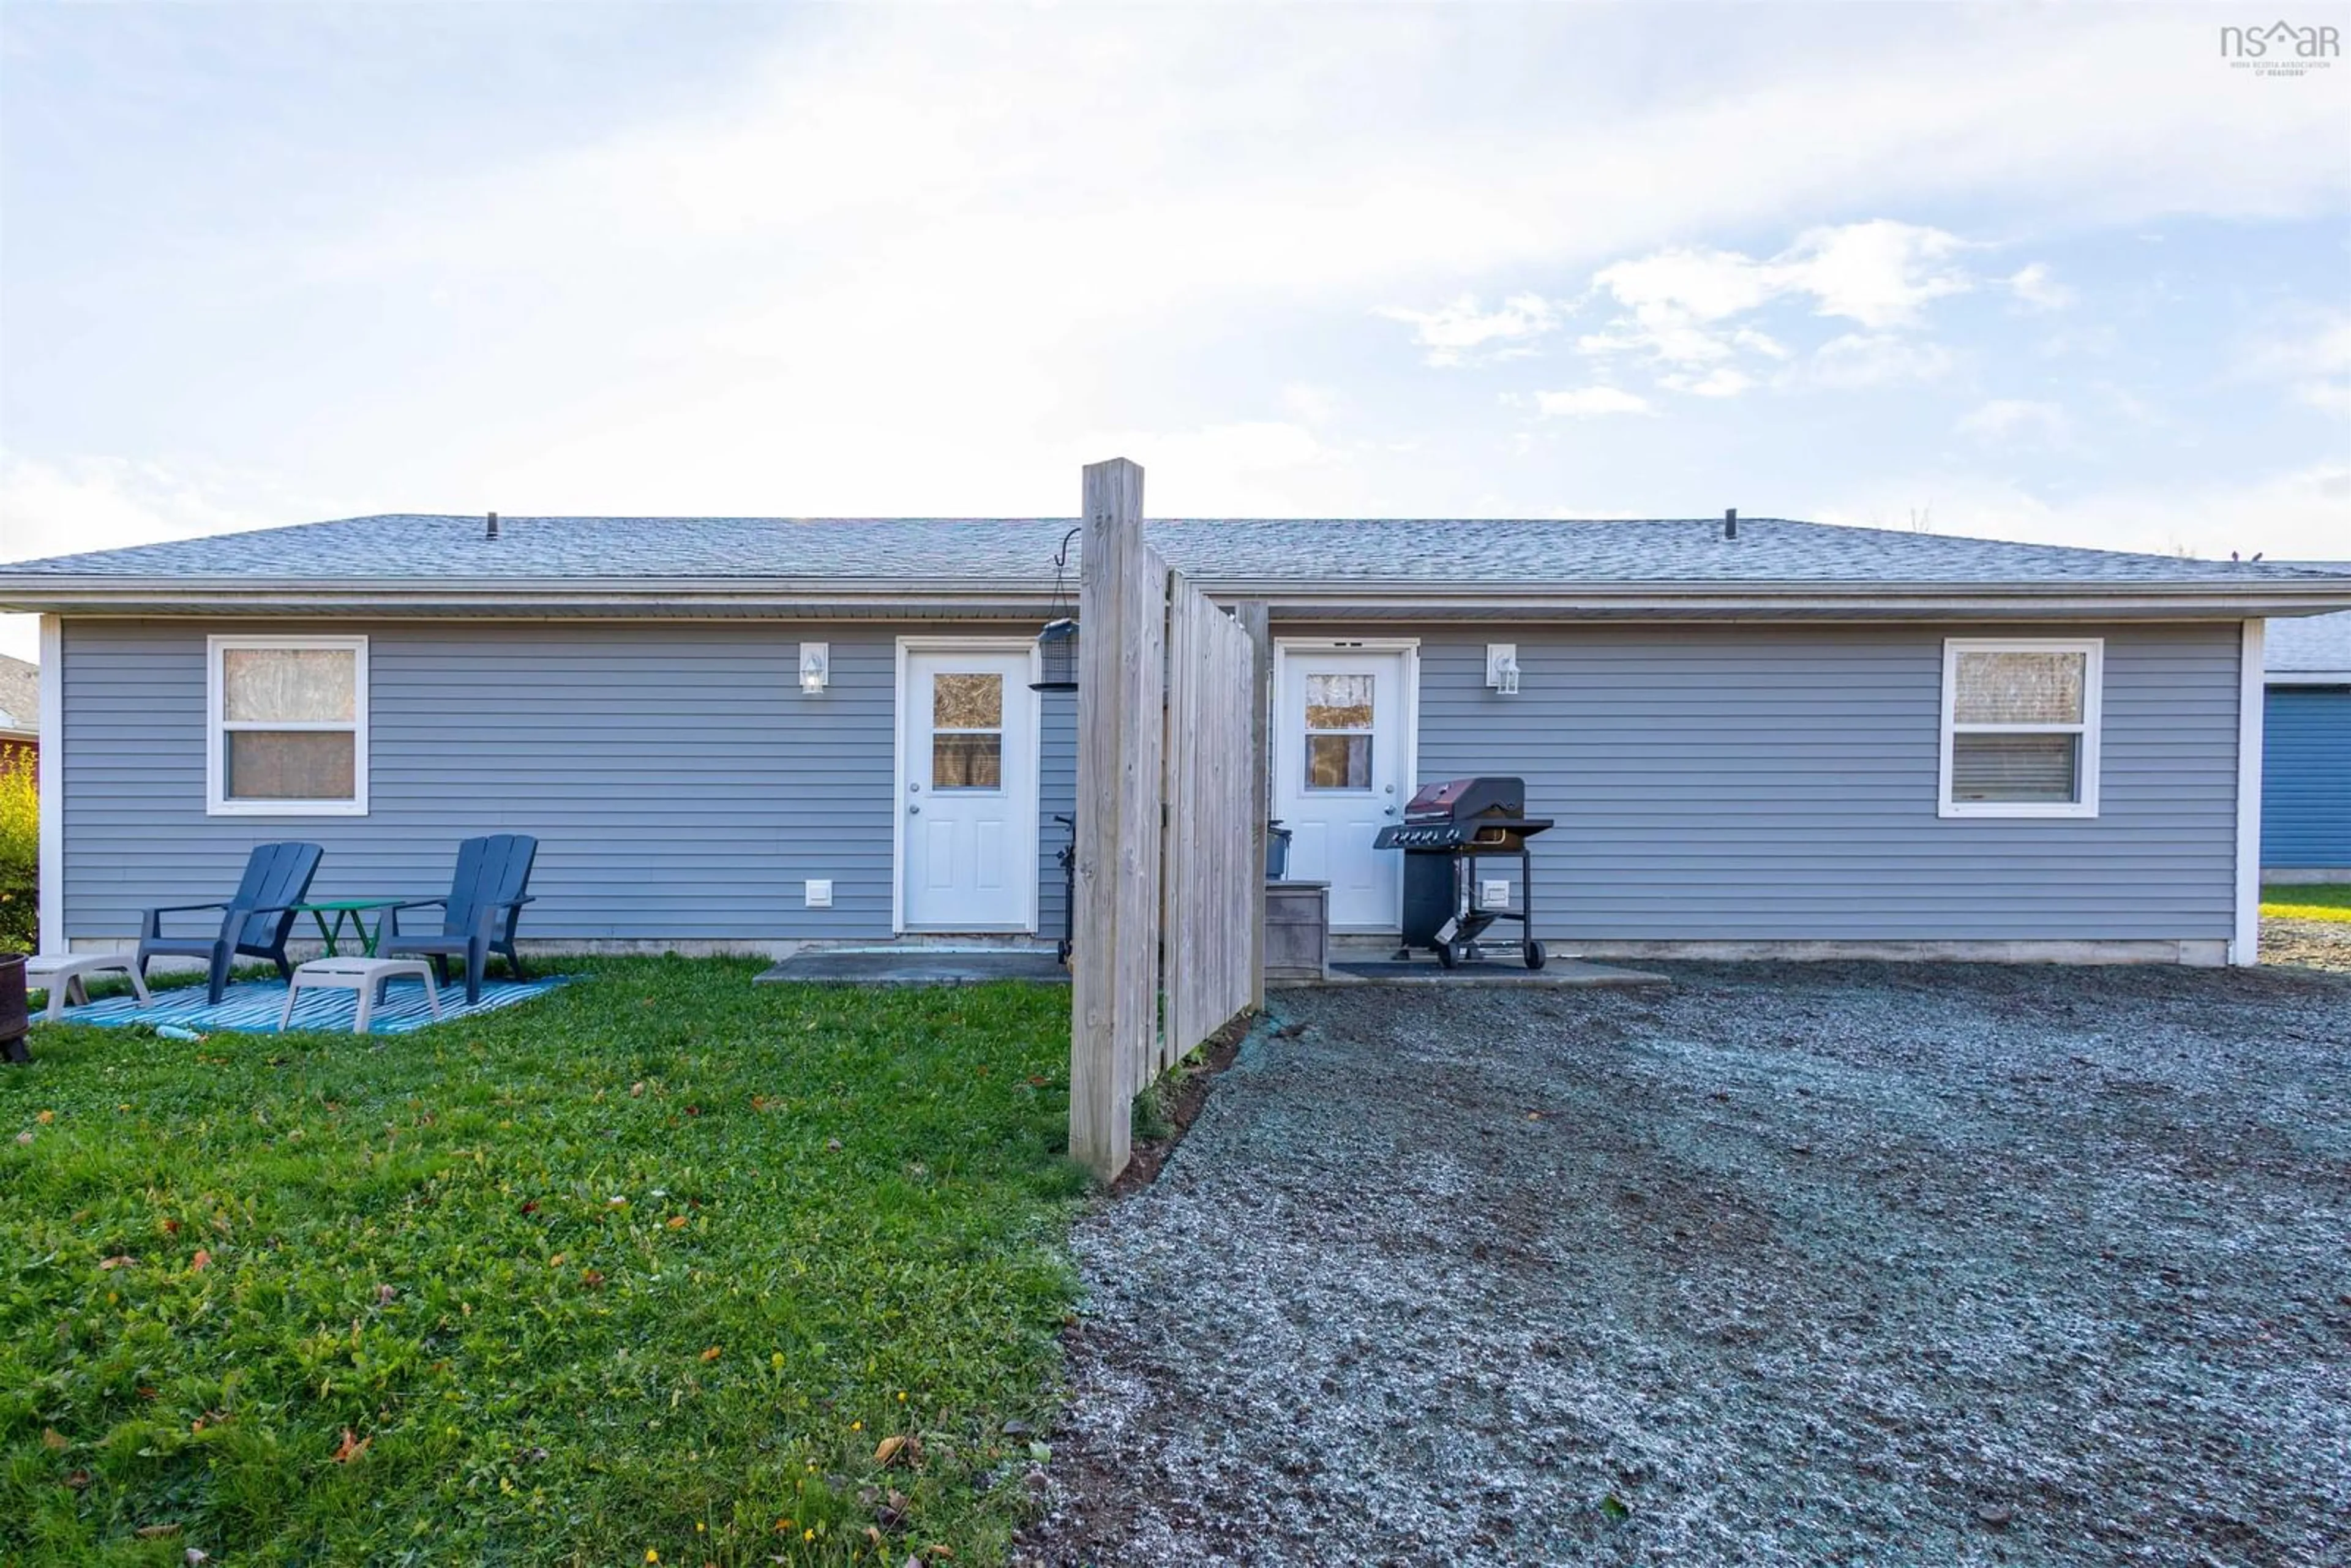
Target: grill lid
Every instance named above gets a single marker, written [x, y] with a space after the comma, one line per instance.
[1458, 800]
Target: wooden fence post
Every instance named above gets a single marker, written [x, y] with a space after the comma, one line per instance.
[1253, 619]
[1114, 931]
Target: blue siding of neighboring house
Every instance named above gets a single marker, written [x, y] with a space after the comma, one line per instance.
[2306, 778]
[681, 784]
[1734, 783]
[1726, 783]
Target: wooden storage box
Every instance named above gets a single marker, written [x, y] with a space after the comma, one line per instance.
[1297, 931]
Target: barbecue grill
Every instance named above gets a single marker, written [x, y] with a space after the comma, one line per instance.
[1447, 830]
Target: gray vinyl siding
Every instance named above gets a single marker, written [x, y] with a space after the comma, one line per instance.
[1711, 783]
[1749, 783]
[1058, 786]
[681, 784]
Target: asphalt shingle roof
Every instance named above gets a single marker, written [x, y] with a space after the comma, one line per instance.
[406, 547]
[2308, 642]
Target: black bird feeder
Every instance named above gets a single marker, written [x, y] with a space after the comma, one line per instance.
[1056, 644]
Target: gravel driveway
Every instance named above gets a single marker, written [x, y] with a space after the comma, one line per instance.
[1794, 1264]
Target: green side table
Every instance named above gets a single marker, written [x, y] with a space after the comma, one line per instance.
[350, 921]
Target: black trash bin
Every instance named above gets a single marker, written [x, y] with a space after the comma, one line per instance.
[16, 1014]
[1276, 851]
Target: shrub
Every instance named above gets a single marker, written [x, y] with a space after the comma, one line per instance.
[20, 860]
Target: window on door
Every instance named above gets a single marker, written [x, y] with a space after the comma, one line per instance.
[1339, 732]
[968, 731]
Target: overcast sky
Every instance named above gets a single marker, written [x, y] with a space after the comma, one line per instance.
[2031, 273]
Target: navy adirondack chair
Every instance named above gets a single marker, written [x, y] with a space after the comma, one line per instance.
[485, 900]
[255, 921]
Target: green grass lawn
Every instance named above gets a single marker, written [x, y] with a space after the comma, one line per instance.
[651, 1265]
[2311, 901]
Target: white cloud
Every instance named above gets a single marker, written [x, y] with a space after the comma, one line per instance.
[1590, 402]
[1878, 272]
[1677, 308]
[1462, 334]
[2017, 422]
[2036, 285]
[1876, 359]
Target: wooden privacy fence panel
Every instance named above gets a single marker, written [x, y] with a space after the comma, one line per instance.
[1212, 893]
[1170, 858]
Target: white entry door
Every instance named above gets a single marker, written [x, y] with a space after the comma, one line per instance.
[967, 790]
[1341, 718]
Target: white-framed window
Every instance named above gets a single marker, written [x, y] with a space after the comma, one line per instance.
[285, 726]
[2021, 725]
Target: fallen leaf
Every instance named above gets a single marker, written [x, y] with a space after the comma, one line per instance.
[677, 1222]
[636, 1090]
[170, 1228]
[710, 1355]
[555, 1261]
[872, 1535]
[52, 1439]
[530, 1206]
[898, 1446]
[939, 1548]
[45, 1117]
[77, 1479]
[200, 1262]
[350, 1449]
[119, 1260]
[591, 1278]
[386, 1292]
[155, 1531]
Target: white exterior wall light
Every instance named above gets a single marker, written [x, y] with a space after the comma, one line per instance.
[1502, 667]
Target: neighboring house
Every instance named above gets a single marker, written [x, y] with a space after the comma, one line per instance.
[2306, 751]
[742, 732]
[20, 713]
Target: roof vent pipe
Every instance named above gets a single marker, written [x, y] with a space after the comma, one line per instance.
[1729, 523]
[492, 531]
